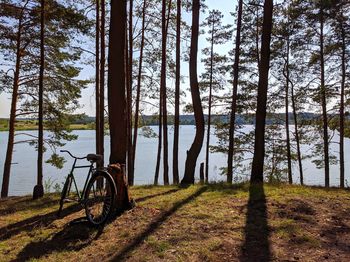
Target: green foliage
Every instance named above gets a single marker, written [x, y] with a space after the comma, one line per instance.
[56, 160]
[65, 25]
[57, 188]
[216, 66]
[48, 183]
[148, 132]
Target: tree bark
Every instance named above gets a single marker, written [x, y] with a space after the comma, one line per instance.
[177, 96]
[257, 36]
[116, 83]
[196, 146]
[129, 98]
[164, 96]
[289, 158]
[10, 142]
[234, 94]
[201, 173]
[324, 101]
[297, 139]
[138, 88]
[257, 174]
[102, 80]
[209, 106]
[97, 76]
[123, 197]
[38, 190]
[159, 150]
[342, 106]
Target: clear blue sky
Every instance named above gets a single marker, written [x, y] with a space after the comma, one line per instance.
[87, 100]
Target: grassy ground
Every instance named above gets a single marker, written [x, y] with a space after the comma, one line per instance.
[22, 125]
[198, 223]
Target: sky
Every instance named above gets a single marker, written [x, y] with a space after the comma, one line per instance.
[87, 101]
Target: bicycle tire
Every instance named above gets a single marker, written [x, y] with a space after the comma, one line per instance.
[65, 191]
[99, 202]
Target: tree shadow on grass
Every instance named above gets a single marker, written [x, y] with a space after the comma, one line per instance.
[76, 235]
[46, 219]
[256, 246]
[226, 188]
[36, 221]
[26, 203]
[141, 199]
[152, 227]
[73, 237]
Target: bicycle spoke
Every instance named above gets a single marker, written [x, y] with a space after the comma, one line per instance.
[100, 189]
[99, 200]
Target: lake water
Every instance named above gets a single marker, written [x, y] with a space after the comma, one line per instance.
[23, 171]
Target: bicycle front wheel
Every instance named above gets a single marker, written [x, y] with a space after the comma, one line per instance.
[99, 198]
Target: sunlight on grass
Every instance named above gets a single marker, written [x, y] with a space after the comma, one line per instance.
[200, 222]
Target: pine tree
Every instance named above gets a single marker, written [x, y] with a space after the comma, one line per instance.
[341, 27]
[138, 87]
[129, 80]
[38, 190]
[97, 77]
[102, 80]
[234, 93]
[214, 68]
[259, 147]
[196, 146]
[116, 83]
[177, 95]
[62, 89]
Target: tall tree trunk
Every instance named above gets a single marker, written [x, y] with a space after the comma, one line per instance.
[102, 79]
[161, 105]
[234, 94]
[129, 97]
[165, 23]
[324, 101]
[257, 33]
[159, 150]
[128, 109]
[177, 96]
[209, 106]
[97, 76]
[257, 175]
[138, 88]
[38, 191]
[196, 146]
[116, 82]
[163, 94]
[341, 110]
[11, 137]
[117, 98]
[297, 139]
[289, 158]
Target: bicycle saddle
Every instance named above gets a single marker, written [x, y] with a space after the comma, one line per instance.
[94, 157]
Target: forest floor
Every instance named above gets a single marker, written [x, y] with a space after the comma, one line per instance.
[198, 223]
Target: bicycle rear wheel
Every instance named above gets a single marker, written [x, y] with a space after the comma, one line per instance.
[99, 200]
[64, 194]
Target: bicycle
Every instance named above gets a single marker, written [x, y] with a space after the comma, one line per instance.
[99, 192]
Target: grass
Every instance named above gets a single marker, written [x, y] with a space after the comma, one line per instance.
[22, 125]
[214, 222]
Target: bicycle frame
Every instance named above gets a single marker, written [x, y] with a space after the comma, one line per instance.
[85, 198]
[71, 174]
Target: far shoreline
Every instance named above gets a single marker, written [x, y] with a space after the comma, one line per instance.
[74, 127]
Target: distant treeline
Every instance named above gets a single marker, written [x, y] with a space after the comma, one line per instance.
[279, 118]
[152, 120]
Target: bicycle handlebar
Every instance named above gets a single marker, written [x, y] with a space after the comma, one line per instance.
[66, 151]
